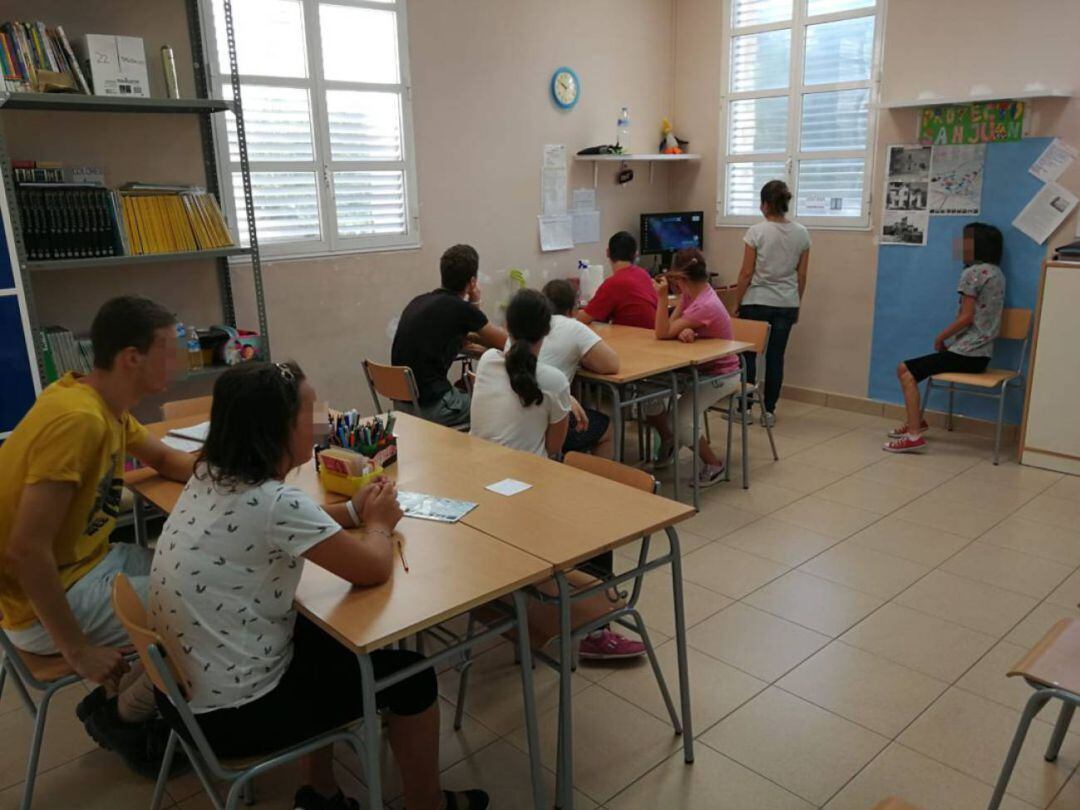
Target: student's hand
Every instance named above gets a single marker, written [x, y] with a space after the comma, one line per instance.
[581, 419]
[474, 294]
[661, 284]
[939, 344]
[688, 335]
[381, 508]
[363, 495]
[102, 665]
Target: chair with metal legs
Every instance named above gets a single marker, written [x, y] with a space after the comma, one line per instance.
[1052, 669]
[47, 674]
[164, 671]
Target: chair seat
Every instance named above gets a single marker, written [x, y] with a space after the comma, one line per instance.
[991, 378]
[46, 668]
[1055, 660]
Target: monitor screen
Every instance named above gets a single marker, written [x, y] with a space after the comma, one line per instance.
[663, 233]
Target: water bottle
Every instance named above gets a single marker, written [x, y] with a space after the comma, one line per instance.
[194, 350]
[624, 129]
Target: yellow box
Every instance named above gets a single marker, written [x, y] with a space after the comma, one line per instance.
[347, 484]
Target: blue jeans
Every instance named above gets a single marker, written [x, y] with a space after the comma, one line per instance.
[781, 320]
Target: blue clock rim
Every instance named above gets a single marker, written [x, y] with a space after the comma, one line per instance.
[577, 83]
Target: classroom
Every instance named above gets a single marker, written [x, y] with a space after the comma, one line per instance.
[450, 405]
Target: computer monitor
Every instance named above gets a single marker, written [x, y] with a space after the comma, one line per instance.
[666, 233]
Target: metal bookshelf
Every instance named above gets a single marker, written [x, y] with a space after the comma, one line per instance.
[202, 106]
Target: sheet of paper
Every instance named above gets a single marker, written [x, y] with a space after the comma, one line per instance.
[956, 179]
[556, 232]
[554, 156]
[508, 486]
[197, 432]
[1053, 161]
[183, 445]
[907, 178]
[586, 227]
[1046, 211]
[553, 191]
[583, 199]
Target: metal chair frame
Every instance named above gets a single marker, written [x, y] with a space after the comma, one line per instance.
[410, 379]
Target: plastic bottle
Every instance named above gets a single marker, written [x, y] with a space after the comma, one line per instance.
[181, 341]
[194, 351]
[624, 129]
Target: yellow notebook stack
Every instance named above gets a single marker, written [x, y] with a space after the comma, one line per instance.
[173, 222]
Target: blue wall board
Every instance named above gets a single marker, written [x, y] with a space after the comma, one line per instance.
[16, 381]
[916, 286]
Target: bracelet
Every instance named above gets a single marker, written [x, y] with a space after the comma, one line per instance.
[380, 530]
[352, 513]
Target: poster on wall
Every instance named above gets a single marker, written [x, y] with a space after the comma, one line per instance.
[907, 186]
[1046, 211]
[956, 179]
[978, 122]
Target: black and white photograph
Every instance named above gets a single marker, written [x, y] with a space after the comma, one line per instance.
[904, 227]
[905, 196]
[910, 163]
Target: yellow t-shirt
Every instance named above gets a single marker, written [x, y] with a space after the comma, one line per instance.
[68, 435]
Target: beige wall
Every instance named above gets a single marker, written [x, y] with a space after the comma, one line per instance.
[830, 349]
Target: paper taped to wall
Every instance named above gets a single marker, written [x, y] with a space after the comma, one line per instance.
[556, 232]
[1056, 158]
[1046, 211]
[586, 227]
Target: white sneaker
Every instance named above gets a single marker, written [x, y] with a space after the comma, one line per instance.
[710, 474]
[768, 419]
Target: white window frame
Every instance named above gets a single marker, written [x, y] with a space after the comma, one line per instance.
[330, 243]
[795, 90]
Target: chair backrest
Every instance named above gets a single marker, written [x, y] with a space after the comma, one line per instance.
[756, 332]
[397, 383]
[612, 470]
[1015, 324]
[180, 408]
[131, 612]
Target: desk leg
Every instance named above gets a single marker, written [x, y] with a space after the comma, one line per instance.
[680, 644]
[618, 428]
[372, 738]
[674, 410]
[694, 483]
[564, 775]
[139, 515]
[532, 735]
[745, 424]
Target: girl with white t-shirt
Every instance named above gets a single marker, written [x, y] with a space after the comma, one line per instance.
[258, 677]
[771, 285]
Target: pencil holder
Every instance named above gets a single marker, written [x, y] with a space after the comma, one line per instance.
[346, 484]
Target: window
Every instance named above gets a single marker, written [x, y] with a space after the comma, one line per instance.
[798, 106]
[327, 121]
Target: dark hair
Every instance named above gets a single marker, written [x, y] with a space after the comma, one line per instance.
[690, 262]
[560, 293]
[458, 266]
[254, 410]
[129, 320]
[622, 247]
[776, 196]
[528, 319]
[986, 242]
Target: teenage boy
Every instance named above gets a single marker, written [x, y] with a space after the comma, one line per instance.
[61, 476]
[432, 330]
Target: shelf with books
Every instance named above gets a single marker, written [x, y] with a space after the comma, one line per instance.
[125, 261]
[77, 102]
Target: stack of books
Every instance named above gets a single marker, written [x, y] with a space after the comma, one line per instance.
[62, 352]
[37, 59]
[170, 219]
[68, 221]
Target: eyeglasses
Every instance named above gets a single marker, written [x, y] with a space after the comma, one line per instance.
[285, 372]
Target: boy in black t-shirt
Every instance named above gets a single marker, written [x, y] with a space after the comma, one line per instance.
[432, 331]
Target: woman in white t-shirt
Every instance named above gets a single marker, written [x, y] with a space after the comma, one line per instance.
[258, 677]
[517, 401]
[771, 285]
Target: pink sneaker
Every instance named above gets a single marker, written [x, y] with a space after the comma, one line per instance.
[609, 645]
[900, 432]
[905, 444]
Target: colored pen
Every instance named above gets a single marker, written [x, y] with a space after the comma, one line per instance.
[401, 551]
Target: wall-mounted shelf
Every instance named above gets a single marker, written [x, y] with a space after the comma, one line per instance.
[938, 102]
[127, 261]
[633, 157]
[78, 102]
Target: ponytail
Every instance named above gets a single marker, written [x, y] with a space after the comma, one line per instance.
[528, 319]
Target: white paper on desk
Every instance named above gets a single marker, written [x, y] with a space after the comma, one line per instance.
[556, 232]
[1046, 211]
[508, 487]
[554, 156]
[183, 445]
[196, 433]
[585, 226]
[553, 191]
[583, 199]
[1054, 160]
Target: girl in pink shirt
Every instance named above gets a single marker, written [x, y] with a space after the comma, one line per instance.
[699, 315]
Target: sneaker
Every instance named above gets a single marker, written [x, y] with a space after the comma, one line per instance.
[734, 412]
[140, 745]
[710, 474]
[665, 454]
[900, 432]
[474, 800]
[906, 444]
[609, 645]
[768, 419]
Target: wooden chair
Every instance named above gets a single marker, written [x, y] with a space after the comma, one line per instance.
[47, 674]
[994, 383]
[396, 383]
[164, 670]
[1052, 669]
[180, 408]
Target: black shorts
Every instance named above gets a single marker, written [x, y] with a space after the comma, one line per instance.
[318, 692]
[586, 439]
[944, 363]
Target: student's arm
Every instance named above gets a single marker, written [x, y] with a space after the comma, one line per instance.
[363, 557]
[492, 336]
[583, 316]
[555, 436]
[43, 506]
[670, 326]
[601, 359]
[801, 270]
[168, 461]
[746, 274]
[963, 320]
[600, 307]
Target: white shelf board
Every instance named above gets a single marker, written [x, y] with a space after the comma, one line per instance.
[938, 102]
[639, 157]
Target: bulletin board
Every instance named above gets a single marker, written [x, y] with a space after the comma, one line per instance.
[916, 286]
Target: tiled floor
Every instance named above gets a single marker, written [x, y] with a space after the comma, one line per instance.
[851, 619]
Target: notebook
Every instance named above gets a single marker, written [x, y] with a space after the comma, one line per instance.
[196, 433]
